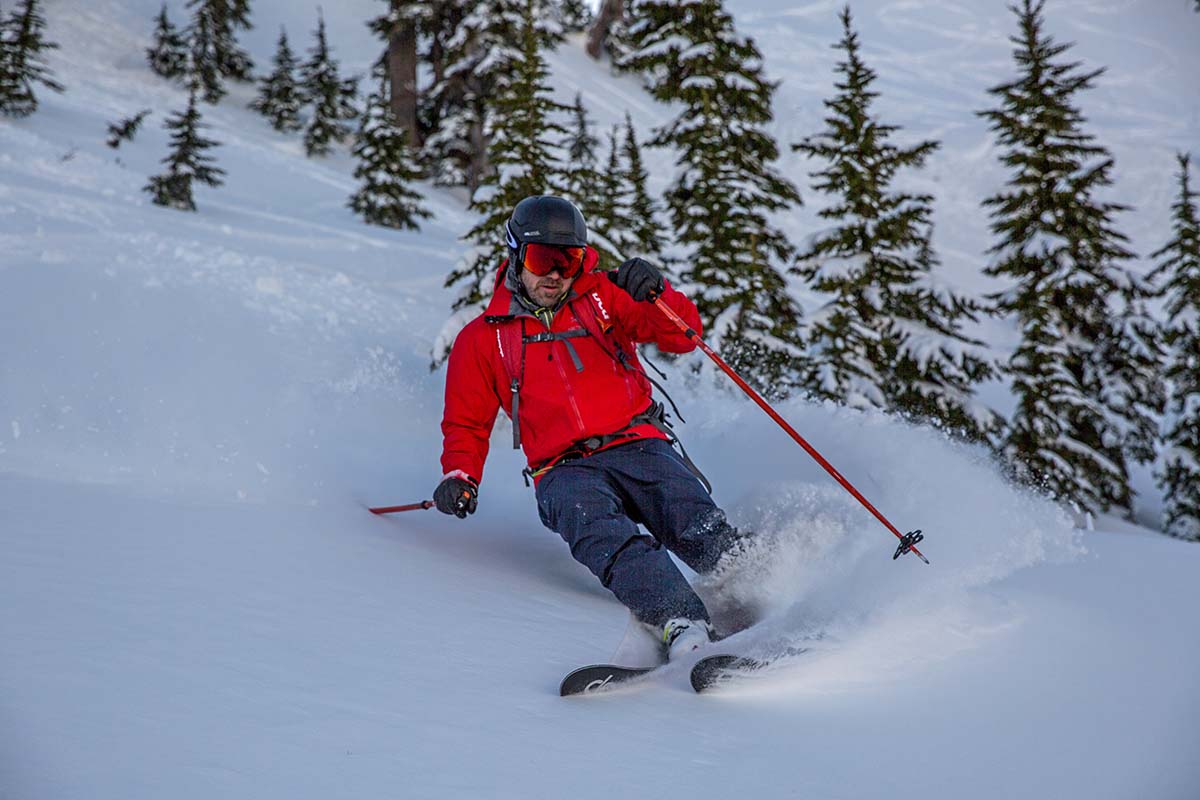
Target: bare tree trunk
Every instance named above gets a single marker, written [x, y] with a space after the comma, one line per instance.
[610, 12]
[402, 74]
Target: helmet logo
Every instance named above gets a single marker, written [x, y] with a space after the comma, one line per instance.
[533, 233]
[508, 235]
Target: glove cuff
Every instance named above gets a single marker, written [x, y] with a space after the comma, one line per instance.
[458, 473]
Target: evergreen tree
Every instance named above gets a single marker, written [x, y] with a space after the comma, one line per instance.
[576, 15]
[645, 233]
[1070, 297]
[279, 96]
[126, 129]
[725, 188]
[522, 158]
[332, 97]
[168, 57]
[22, 49]
[887, 335]
[1179, 270]
[215, 54]
[474, 59]
[386, 169]
[581, 175]
[400, 28]
[607, 215]
[187, 161]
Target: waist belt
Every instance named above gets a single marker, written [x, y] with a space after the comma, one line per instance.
[655, 414]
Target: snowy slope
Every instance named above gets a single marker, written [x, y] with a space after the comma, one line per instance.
[195, 408]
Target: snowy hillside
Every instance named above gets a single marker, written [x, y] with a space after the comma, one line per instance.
[195, 410]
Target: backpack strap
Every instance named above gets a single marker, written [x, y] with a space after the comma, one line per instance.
[513, 359]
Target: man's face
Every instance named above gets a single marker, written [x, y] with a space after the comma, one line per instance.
[546, 290]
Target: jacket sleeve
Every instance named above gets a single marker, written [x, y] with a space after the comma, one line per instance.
[471, 404]
[644, 322]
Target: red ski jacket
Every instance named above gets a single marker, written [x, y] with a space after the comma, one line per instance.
[567, 379]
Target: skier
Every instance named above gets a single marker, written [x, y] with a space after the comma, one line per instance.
[555, 350]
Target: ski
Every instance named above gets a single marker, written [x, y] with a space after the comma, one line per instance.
[712, 671]
[598, 677]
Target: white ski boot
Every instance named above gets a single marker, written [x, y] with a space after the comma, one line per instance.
[682, 636]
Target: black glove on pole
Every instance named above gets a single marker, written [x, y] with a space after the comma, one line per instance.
[639, 278]
[456, 496]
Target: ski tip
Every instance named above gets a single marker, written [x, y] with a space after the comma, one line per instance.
[712, 670]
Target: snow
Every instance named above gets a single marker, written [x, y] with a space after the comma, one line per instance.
[194, 601]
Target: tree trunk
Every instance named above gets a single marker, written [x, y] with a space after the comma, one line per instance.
[610, 12]
[402, 74]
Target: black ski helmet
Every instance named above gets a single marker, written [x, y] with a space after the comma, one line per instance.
[545, 220]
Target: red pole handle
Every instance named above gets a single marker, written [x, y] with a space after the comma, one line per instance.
[395, 509]
[773, 414]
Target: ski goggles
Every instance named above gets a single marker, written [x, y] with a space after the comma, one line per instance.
[542, 259]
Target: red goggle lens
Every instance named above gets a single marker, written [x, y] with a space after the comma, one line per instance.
[542, 259]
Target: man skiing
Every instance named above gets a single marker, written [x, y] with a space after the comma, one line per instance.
[555, 349]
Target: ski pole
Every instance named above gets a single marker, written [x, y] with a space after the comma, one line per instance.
[395, 509]
[908, 541]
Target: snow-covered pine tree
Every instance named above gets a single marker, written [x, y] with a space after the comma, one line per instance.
[645, 233]
[22, 61]
[213, 48]
[522, 159]
[332, 97]
[187, 161]
[400, 28]
[168, 56]
[580, 174]
[576, 15]
[888, 334]
[1057, 242]
[607, 215]
[1132, 388]
[235, 62]
[725, 189]
[126, 129]
[386, 169]
[279, 97]
[1179, 273]
[461, 102]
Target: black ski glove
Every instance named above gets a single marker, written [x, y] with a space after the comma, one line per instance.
[456, 496]
[639, 278]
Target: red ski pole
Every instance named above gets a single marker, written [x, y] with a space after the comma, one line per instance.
[908, 541]
[395, 509]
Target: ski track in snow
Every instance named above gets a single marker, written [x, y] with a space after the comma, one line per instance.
[193, 601]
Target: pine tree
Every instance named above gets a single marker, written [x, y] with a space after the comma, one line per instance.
[607, 213]
[168, 57]
[400, 28]
[1179, 271]
[186, 162]
[725, 187]
[645, 233]
[581, 175]
[522, 158]
[279, 97]
[888, 335]
[332, 97]
[386, 169]
[22, 48]
[126, 129]
[462, 102]
[576, 15]
[215, 54]
[1070, 295]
